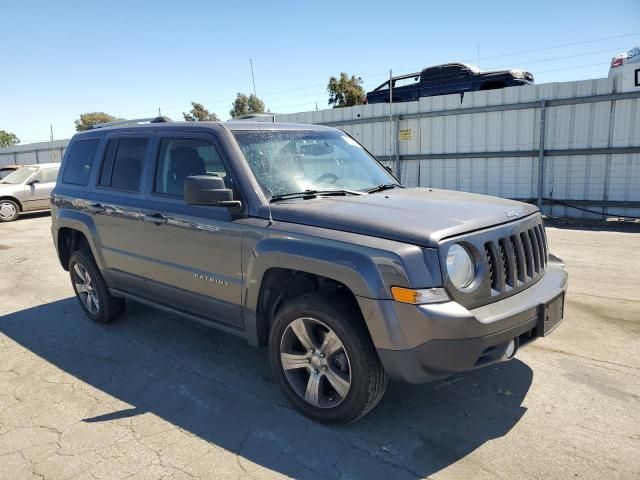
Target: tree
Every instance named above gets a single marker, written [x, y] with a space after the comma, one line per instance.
[92, 118]
[345, 92]
[8, 139]
[199, 114]
[246, 105]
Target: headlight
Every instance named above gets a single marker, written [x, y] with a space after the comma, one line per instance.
[460, 266]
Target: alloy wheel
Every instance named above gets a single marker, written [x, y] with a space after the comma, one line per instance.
[315, 362]
[85, 289]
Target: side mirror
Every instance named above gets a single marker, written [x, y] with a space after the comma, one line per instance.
[33, 182]
[209, 190]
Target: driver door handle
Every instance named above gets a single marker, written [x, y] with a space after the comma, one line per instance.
[156, 218]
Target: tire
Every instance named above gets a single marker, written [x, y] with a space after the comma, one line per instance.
[91, 289]
[9, 210]
[351, 360]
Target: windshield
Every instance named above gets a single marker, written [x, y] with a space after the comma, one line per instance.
[286, 162]
[20, 175]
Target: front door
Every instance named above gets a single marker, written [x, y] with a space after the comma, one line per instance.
[193, 252]
[455, 78]
[38, 189]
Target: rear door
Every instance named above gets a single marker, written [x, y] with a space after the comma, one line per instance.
[116, 209]
[192, 253]
[38, 189]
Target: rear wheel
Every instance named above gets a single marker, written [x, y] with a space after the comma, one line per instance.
[9, 210]
[91, 289]
[324, 360]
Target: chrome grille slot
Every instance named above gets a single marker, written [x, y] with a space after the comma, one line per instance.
[535, 250]
[543, 243]
[528, 254]
[508, 261]
[518, 252]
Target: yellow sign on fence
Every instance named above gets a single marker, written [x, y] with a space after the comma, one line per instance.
[404, 134]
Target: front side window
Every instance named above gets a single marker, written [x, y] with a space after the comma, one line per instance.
[293, 161]
[19, 176]
[47, 175]
[180, 158]
[79, 161]
[122, 166]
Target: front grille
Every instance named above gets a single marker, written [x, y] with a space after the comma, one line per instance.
[516, 260]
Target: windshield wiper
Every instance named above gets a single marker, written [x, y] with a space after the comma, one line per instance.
[383, 186]
[313, 194]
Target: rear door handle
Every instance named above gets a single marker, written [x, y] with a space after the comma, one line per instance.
[154, 218]
[95, 208]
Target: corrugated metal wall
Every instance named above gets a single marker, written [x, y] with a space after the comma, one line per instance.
[44, 152]
[569, 178]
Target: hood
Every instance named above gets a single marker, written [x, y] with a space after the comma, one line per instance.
[419, 216]
[10, 188]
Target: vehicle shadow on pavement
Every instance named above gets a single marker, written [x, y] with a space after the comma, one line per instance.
[215, 386]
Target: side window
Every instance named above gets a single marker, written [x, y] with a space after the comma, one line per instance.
[406, 81]
[454, 71]
[122, 165]
[430, 74]
[47, 175]
[180, 158]
[79, 161]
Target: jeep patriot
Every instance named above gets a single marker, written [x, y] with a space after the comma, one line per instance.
[296, 238]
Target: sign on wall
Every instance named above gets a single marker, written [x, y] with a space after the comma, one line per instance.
[405, 134]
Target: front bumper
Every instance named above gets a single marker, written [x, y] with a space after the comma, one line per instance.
[428, 342]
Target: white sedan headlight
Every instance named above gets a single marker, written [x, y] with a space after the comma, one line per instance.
[460, 266]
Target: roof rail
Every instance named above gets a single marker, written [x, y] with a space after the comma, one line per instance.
[133, 121]
[258, 117]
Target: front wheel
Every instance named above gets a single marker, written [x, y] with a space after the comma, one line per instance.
[324, 360]
[9, 210]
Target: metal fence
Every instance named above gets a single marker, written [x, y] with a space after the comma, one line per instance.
[574, 147]
[44, 152]
[570, 147]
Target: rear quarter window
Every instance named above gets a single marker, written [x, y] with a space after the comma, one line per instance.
[79, 161]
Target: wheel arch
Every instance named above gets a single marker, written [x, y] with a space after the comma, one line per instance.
[13, 199]
[283, 268]
[73, 230]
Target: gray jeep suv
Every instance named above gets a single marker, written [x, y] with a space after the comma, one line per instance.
[295, 237]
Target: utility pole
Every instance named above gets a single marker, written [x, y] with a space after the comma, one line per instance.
[253, 79]
[390, 113]
[51, 129]
[159, 112]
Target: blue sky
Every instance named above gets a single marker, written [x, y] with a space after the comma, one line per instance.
[128, 58]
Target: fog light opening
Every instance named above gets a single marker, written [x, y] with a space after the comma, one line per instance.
[512, 348]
